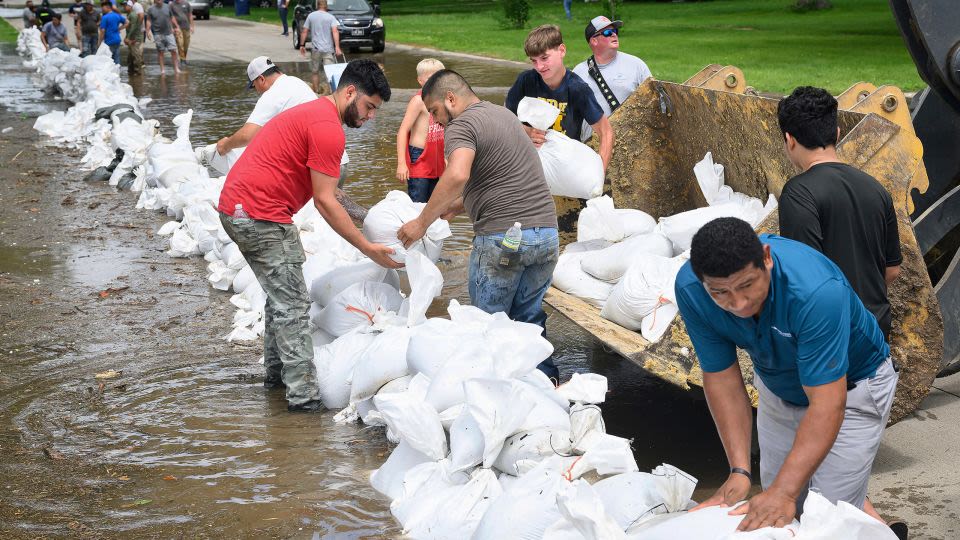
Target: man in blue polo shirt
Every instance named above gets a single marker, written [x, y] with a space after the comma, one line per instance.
[821, 368]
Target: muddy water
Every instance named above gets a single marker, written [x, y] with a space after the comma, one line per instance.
[184, 442]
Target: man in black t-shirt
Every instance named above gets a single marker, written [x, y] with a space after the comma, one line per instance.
[552, 82]
[835, 208]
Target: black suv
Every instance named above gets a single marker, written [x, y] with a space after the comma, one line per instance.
[360, 23]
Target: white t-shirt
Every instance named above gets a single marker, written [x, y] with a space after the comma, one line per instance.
[320, 24]
[138, 8]
[286, 92]
[623, 75]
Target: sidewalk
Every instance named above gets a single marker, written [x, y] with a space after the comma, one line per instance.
[916, 476]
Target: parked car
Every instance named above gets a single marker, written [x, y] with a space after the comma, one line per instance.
[201, 9]
[360, 23]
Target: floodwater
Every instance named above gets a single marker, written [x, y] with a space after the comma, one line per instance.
[185, 442]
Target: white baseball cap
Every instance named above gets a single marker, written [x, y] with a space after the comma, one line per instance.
[257, 67]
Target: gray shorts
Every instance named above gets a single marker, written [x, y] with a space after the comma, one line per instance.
[165, 42]
[845, 472]
[319, 59]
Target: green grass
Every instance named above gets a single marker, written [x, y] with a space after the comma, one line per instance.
[778, 49]
[8, 34]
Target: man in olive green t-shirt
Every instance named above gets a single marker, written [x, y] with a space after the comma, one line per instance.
[134, 39]
[494, 174]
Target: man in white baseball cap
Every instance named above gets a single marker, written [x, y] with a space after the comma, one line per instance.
[611, 74]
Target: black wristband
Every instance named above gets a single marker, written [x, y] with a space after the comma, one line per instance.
[738, 470]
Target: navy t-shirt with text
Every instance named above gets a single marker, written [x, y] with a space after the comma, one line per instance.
[573, 97]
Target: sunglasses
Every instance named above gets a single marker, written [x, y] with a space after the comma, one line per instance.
[607, 32]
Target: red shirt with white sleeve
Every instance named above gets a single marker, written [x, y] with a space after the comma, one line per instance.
[272, 177]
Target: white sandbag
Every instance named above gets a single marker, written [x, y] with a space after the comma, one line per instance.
[680, 228]
[334, 364]
[243, 279]
[524, 511]
[516, 347]
[499, 409]
[821, 520]
[535, 445]
[712, 523]
[584, 516]
[466, 442]
[356, 306]
[454, 512]
[569, 277]
[647, 285]
[633, 498]
[383, 361]
[546, 412]
[585, 388]
[586, 424]
[426, 282]
[208, 156]
[415, 421]
[433, 343]
[635, 221]
[599, 220]
[386, 217]
[607, 454]
[611, 263]
[588, 245]
[326, 287]
[572, 169]
[388, 479]
[472, 360]
[658, 321]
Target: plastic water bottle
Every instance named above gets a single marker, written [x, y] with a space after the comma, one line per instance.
[239, 213]
[510, 246]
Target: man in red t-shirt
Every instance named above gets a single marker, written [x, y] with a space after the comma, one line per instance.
[293, 158]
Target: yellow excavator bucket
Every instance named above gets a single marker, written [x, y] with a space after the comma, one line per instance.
[665, 128]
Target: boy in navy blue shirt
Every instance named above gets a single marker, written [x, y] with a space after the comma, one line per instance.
[552, 82]
[821, 368]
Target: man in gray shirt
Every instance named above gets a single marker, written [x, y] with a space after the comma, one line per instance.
[88, 29]
[29, 15]
[160, 27]
[620, 72]
[183, 12]
[325, 36]
[493, 173]
[54, 35]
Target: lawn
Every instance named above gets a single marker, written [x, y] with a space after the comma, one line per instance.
[8, 34]
[777, 48]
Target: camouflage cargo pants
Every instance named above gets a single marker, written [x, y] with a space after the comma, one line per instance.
[276, 256]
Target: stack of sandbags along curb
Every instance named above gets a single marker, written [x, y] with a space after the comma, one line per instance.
[625, 263]
[487, 446]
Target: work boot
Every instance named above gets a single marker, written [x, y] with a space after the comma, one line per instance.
[900, 529]
[313, 405]
[273, 384]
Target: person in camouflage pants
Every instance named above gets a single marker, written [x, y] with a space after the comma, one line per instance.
[276, 256]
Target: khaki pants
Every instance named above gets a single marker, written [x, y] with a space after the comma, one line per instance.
[135, 58]
[183, 42]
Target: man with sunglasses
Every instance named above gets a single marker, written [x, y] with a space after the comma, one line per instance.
[611, 74]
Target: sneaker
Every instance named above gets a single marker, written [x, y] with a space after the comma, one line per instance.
[900, 529]
[306, 406]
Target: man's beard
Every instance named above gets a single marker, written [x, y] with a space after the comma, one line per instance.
[351, 116]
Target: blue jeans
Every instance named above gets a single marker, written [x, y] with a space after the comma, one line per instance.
[88, 45]
[115, 52]
[567, 4]
[419, 189]
[283, 18]
[518, 287]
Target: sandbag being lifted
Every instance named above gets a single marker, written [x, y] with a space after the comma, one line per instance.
[572, 168]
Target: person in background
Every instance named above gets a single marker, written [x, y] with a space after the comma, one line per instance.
[618, 73]
[183, 12]
[420, 159]
[494, 174]
[88, 29]
[134, 39]
[75, 9]
[821, 367]
[293, 159]
[278, 92]
[160, 27]
[44, 13]
[567, 5]
[110, 25]
[325, 36]
[29, 15]
[54, 34]
[282, 12]
[551, 81]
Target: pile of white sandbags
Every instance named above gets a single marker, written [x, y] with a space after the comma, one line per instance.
[572, 169]
[30, 47]
[625, 263]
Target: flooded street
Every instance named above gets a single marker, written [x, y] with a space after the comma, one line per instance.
[182, 440]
